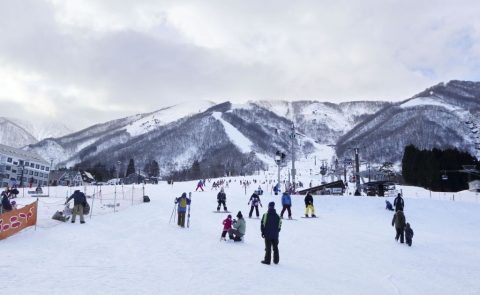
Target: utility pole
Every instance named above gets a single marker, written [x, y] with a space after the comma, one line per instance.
[357, 169]
[292, 136]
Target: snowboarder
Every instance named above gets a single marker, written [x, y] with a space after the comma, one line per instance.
[270, 227]
[287, 204]
[238, 229]
[309, 205]
[221, 199]
[399, 222]
[79, 203]
[200, 185]
[254, 202]
[227, 225]
[408, 234]
[388, 205]
[182, 202]
[276, 189]
[398, 203]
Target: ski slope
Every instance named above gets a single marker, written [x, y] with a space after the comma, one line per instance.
[349, 249]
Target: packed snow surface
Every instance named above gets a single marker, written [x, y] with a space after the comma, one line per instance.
[349, 249]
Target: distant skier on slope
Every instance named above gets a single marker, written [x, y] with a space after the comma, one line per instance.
[254, 202]
[221, 200]
[287, 204]
[200, 185]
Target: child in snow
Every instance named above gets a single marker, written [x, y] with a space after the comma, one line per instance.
[227, 225]
[408, 234]
[389, 205]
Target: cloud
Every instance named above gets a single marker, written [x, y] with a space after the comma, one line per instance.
[100, 60]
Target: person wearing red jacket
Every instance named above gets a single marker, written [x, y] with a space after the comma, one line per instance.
[227, 224]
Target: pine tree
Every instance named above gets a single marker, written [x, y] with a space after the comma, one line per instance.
[130, 168]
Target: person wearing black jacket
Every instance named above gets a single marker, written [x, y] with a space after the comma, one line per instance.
[254, 202]
[309, 205]
[221, 199]
[6, 205]
[79, 203]
[270, 227]
[398, 203]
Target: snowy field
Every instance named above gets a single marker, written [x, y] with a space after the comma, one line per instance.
[349, 249]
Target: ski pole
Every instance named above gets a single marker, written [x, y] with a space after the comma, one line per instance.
[173, 211]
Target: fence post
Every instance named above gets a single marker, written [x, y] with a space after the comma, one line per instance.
[36, 215]
[133, 189]
[93, 202]
[115, 200]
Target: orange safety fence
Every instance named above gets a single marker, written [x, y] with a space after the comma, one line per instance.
[14, 221]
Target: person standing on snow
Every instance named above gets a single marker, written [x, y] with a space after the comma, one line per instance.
[270, 227]
[399, 222]
[79, 203]
[398, 203]
[182, 202]
[254, 202]
[287, 204]
[227, 225]
[309, 205]
[408, 234]
[221, 200]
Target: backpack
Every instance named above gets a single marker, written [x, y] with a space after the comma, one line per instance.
[183, 202]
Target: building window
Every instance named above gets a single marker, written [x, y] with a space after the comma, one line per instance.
[40, 174]
[14, 171]
[9, 160]
[8, 168]
[20, 162]
[15, 163]
[31, 172]
[27, 164]
[47, 169]
[37, 166]
[32, 165]
[42, 168]
[36, 174]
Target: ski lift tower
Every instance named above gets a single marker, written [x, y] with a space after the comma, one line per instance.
[279, 160]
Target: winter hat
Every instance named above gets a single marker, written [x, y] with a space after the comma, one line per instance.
[229, 216]
[271, 205]
[239, 214]
[184, 195]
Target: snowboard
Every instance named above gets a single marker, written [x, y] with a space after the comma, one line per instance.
[222, 212]
[309, 217]
[288, 219]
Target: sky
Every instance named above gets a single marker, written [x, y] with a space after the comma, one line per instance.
[82, 62]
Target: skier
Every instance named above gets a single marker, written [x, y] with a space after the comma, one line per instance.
[309, 205]
[221, 199]
[260, 191]
[388, 205]
[200, 185]
[238, 229]
[399, 222]
[408, 234]
[182, 202]
[398, 203]
[270, 227]
[227, 225]
[287, 204]
[254, 202]
[276, 189]
[79, 203]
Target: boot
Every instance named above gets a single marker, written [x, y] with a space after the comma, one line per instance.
[265, 262]
[306, 215]
[313, 215]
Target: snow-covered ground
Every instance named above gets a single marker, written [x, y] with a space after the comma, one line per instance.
[349, 249]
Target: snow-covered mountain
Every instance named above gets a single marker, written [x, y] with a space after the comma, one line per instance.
[19, 133]
[13, 134]
[437, 117]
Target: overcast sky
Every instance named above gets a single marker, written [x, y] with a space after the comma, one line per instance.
[87, 61]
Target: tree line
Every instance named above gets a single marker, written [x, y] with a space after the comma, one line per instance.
[436, 169]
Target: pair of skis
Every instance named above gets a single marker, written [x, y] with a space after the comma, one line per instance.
[188, 214]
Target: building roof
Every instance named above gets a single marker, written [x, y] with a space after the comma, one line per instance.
[24, 155]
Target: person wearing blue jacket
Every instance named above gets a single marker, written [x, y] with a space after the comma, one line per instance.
[270, 228]
[79, 203]
[182, 202]
[287, 204]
